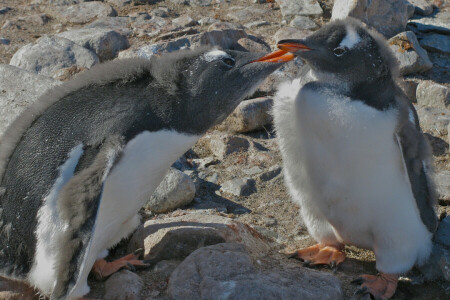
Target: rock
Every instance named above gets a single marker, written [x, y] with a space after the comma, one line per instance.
[242, 15]
[248, 116]
[432, 119]
[222, 145]
[257, 24]
[177, 189]
[292, 8]
[85, 12]
[200, 3]
[227, 271]
[411, 56]
[18, 90]
[438, 265]
[389, 17]
[38, 19]
[226, 38]
[148, 51]
[4, 10]
[436, 43]
[433, 94]
[448, 133]
[290, 33]
[4, 41]
[442, 235]
[437, 23]
[119, 24]
[442, 182]
[422, 7]
[252, 171]
[162, 12]
[48, 54]
[273, 172]
[123, 285]
[239, 187]
[205, 21]
[253, 46]
[119, 3]
[106, 43]
[303, 23]
[177, 237]
[409, 87]
[184, 21]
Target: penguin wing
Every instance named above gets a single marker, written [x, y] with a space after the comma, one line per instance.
[78, 204]
[416, 156]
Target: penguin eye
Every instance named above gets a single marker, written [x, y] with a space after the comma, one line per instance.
[339, 51]
[229, 61]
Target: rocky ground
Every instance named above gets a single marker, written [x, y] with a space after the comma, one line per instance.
[221, 223]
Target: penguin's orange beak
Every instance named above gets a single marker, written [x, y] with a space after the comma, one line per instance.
[292, 46]
[276, 57]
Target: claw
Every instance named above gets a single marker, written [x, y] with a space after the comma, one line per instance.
[130, 267]
[381, 287]
[333, 266]
[306, 263]
[138, 252]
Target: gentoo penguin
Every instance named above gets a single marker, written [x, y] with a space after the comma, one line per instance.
[355, 159]
[78, 165]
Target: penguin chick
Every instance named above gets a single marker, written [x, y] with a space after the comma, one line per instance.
[355, 159]
[77, 166]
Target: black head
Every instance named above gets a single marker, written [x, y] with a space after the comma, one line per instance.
[211, 82]
[346, 49]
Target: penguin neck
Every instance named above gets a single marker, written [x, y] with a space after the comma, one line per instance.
[378, 93]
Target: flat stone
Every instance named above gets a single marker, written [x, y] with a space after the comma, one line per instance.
[437, 267]
[106, 43]
[200, 3]
[222, 145]
[249, 115]
[433, 94]
[178, 236]
[123, 285]
[257, 24]
[177, 189]
[303, 23]
[228, 271]
[389, 17]
[4, 10]
[273, 172]
[434, 120]
[437, 23]
[119, 3]
[119, 24]
[422, 7]
[18, 90]
[290, 33]
[205, 21]
[162, 12]
[436, 43]
[48, 54]
[4, 41]
[239, 187]
[442, 235]
[253, 46]
[442, 182]
[292, 8]
[252, 171]
[411, 56]
[85, 12]
[245, 14]
[409, 87]
[184, 21]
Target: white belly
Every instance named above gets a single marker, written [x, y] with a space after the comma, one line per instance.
[342, 160]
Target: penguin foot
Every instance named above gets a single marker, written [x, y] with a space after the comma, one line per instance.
[320, 255]
[103, 269]
[381, 287]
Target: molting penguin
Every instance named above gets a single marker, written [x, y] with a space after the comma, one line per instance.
[78, 165]
[355, 159]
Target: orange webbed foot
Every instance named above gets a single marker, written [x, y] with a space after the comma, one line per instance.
[381, 287]
[102, 269]
[320, 255]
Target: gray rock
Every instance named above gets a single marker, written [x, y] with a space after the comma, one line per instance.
[239, 187]
[290, 33]
[436, 43]
[177, 189]
[200, 3]
[437, 23]
[205, 21]
[409, 87]
[227, 271]
[4, 41]
[442, 235]
[225, 38]
[222, 145]
[248, 116]
[162, 12]
[241, 14]
[203, 163]
[252, 171]
[18, 90]
[253, 46]
[177, 237]
[389, 17]
[49, 54]
[273, 172]
[115, 23]
[119, 3]
[292, 8]
[257, 24]
[442, 182]
[433, 94]
[85, 12]
[434, 120]
[438, 265]
[422, 7]
[304, 23]
[411, 56]
[184, 21]
[106, 43]
[123, 285]
[4, 10]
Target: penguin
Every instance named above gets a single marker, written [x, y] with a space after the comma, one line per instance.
[76, 167]
[354, 156]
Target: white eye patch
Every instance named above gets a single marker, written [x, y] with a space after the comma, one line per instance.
[215, 55]
[351, 38]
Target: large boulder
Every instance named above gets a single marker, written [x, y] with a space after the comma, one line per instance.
[85, 12]
[292, 8]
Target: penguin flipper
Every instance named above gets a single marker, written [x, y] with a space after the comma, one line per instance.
[416, 155]
[78, 205]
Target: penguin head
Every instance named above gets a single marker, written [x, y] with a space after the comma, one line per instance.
[345, 49]
[213, 81]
